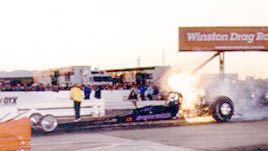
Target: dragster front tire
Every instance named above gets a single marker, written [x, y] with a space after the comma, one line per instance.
[222, 109]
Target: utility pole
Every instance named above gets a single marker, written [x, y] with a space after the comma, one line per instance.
[163, 57]
[139, 61]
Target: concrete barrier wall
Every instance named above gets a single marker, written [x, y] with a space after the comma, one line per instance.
[60, 104]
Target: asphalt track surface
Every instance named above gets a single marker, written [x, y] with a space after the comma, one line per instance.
[173, 135]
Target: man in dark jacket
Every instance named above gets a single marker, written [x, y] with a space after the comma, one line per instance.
[98, 92]
[87, 92]
[142, 92]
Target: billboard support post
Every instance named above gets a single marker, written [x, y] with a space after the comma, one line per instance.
[221, 57]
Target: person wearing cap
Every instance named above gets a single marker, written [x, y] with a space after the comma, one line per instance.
[76, 95]
[133, 96]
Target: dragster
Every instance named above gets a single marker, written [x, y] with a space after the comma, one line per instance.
[221, 109]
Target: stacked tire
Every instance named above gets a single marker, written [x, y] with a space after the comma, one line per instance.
[47, 123]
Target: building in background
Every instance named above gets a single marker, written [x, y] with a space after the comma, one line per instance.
[68, 76]
[139, 75]
[16, 78]
[64, 76]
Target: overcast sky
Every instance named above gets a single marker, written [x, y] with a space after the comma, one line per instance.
[111, 34]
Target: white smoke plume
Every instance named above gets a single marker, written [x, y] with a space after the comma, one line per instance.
[247, 95]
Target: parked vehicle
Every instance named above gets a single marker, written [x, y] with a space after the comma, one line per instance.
[46, 108]
[15, 134]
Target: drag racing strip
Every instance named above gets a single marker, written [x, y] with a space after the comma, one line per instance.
[108, 125]
[111, 125]
[97, 142]
[235, 136]
[231, 136]
[98, 126]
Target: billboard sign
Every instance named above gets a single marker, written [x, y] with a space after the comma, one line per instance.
[223, 39]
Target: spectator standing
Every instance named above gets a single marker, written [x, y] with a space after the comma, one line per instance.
[76, 96]
[155, 92]
[150, 92]
[87, 92]
[142, 92]
[98, 92]
[133, 96]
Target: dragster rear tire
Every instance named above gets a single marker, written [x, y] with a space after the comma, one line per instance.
[222, 109]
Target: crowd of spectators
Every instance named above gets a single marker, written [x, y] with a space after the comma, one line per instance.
[145, 92]
[32, 87]
[41, 87]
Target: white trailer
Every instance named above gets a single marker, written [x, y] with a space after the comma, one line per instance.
[72, 75]
[46, 109]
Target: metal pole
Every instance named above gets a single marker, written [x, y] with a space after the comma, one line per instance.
[221, 57]
[163, 57]
[139, 62]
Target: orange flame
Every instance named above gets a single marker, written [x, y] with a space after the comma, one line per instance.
[203, 119]
[186, 84]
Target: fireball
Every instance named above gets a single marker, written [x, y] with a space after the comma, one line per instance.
[186, 84]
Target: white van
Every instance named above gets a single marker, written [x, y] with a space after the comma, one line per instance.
[46, 108]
